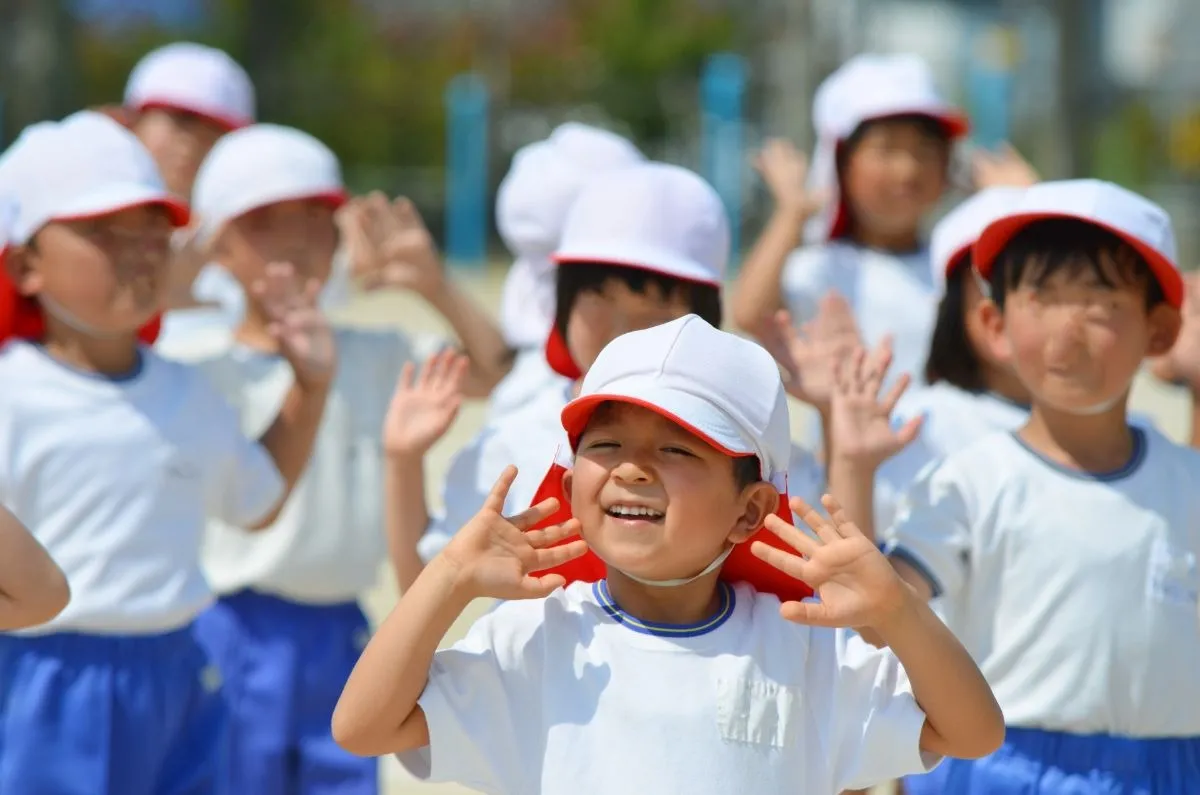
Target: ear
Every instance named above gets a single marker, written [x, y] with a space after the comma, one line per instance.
[19, 264]
[991, 320]
[759, 501]
[568, 477]
[1164, 324]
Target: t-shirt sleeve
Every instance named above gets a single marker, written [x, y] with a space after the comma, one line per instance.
[482, 706]
[243, 482]
[932, 530]
[874, 724]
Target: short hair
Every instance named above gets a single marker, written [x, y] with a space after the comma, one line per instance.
[951, 356]
[1049, 246]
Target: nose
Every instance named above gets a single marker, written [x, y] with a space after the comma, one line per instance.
[1067, 341]
[632, 470]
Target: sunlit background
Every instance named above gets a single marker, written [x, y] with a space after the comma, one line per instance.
[430, 97]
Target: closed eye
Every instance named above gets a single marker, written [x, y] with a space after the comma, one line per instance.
[679, 451]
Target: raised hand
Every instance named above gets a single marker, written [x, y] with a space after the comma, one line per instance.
[498, 557]
[1182, 362]
[855, 584]
[424, 405]
[860, 420]
[1002, 168]
[784, 169]
[297, 324]
[390, 246]
[809, 356]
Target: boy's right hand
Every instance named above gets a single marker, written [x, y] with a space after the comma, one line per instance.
[494, 556]
[810, 356]
[859, 418]
[784, 169]
[1181, 364]
[423, 408]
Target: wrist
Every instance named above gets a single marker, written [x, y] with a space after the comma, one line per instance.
[853, 463]
[404, 458]
[437, 291]
[902, 615]
[795, 211]
[454, 582]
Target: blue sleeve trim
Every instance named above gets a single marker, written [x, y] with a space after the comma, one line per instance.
[901, 553]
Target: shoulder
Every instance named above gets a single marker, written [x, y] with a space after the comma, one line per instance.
[510, 628]
[1164, 454]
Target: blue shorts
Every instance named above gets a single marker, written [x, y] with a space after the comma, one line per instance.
[118, 715]
[1035, 762]
[285, 665]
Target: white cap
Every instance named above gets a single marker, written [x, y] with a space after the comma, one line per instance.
[193, 78]
[1138, 221]
[8, 214]
[84, 166]
[259, 165]
[721, 387]
[865, 88]
[653, 216]
[958, 230]
[531, 209]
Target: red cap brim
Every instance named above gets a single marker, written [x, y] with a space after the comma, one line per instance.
[741, 565]
[226, 123]
[1000, 233]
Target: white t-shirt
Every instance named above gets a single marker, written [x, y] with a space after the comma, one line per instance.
[953, 419]
[1075, 593]
[115, 479]
[532, 438]
[569, 695]
[889, 294]
[328, 542]
[529, 377]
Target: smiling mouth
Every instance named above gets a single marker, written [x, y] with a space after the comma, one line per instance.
[635, 513]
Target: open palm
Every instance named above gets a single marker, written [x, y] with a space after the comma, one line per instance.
[498, 556]
[856, 585]
[295, 320]
[810, 356]
[860, 419]
[424, 405]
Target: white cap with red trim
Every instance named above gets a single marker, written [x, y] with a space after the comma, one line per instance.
[259, 165]
[722, 387]
[84, 166]
[652, 216]
[1135, 219]
[194, 78]
[958, 230]
[865, 88]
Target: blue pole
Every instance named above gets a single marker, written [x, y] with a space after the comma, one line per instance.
[722, 90]
[990, 59]
[467, 170]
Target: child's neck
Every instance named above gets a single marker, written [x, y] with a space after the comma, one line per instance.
[680, 605]
[1089, 443]
[254, 335]
[1003, 382]
[109, 356]
[892, 242]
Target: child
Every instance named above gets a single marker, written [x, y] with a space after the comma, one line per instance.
[33, 589]
[287, 627]
[112, 457]
[697, 688]
[1067, 551]
[641, 246]
[883, 149]
[531, 208]
[179, 100]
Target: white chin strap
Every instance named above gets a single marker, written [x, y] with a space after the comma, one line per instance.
[67, 319]
[709, 569]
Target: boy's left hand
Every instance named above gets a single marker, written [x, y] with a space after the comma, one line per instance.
[296, 322]
[810, 356]
[856, 584]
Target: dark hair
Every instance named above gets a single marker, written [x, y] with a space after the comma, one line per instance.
[951, 357]
[574, 278]
[746, 470]
[1046, 247]
[927, 125]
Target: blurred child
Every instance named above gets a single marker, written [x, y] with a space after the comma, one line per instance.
[287, 627]
[113, 457]
[641, 246]
[679, 433]
[33, 588]
[1066, 551]
[531, 208]
[884, 139]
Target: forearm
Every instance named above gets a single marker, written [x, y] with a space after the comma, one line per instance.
[380, 697]
[33, 589]
[289, 441]
[962, 717]
[490, 356]
[757, 294]
[1195, 437]
[852, 483]
[405, 515]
